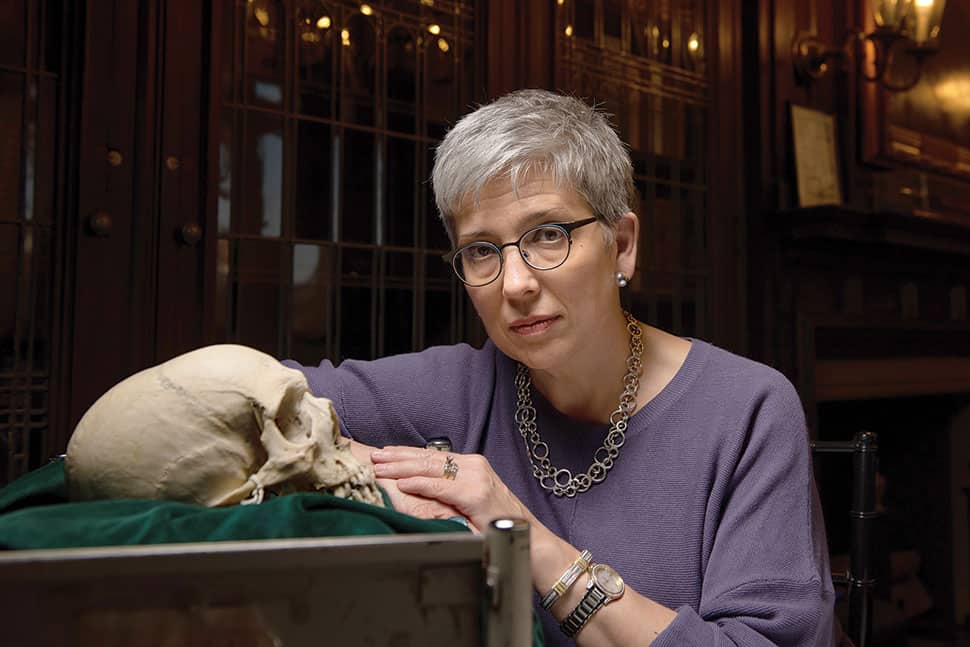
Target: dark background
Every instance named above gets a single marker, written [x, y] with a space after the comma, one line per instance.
[175, 173]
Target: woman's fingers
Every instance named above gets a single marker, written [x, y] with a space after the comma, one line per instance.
[422, 486]
[416, 506]
[402, 462]
[396, 463]
[464, 483]
[403, 452]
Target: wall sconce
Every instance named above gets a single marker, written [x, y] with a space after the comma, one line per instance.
[912, 26]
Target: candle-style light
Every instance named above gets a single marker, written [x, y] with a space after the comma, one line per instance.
[910, 27]
[927, 18]
[890, 14]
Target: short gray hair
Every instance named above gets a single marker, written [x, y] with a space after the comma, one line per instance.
[535, 131]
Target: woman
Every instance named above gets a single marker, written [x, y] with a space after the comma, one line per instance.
[680, 468]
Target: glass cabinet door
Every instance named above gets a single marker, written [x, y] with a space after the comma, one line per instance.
[329, 243]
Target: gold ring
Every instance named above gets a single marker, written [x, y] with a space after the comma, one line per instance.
[451, 469]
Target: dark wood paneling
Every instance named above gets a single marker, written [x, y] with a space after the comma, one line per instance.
[103, 327]
[867, 299]
[178, 169]
[728, 216]
[215, 46]
[138, 288]
[143, 280]
[772, 86]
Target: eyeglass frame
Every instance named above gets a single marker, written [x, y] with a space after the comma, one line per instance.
[566, 227]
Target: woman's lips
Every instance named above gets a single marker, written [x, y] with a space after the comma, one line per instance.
[533, 326]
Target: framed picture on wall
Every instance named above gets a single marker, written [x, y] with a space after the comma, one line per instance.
[815, 146]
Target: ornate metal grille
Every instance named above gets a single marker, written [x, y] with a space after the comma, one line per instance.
[645, 61]
[30, 81]
[329, 242]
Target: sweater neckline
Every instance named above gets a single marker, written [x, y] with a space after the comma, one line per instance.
[673, 391]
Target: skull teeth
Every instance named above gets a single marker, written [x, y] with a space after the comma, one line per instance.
[358, 486]
[355, 490]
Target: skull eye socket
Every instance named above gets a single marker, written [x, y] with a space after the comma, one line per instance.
[295, 426]
[303, 424]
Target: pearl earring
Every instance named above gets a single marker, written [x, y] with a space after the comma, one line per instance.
[621, 280]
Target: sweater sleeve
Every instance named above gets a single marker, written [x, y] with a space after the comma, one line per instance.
[408, 399]
[766, 579]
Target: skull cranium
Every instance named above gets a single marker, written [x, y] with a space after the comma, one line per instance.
[216, 426]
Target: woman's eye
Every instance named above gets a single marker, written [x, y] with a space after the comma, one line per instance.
[547, 235]
[478, 252]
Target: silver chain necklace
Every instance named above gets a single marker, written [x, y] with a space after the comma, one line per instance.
[560, 481]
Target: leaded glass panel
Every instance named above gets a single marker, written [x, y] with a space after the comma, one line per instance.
[330, 112]
[645, 62]
[30, 83]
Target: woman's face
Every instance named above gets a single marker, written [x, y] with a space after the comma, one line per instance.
[547, 319]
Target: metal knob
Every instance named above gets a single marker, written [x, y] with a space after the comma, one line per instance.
[99, 224]
[190, 234]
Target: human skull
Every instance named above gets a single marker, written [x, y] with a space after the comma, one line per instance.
[216, 426]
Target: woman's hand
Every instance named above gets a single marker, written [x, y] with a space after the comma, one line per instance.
[479, 495]
[415, 506]
[476, 492]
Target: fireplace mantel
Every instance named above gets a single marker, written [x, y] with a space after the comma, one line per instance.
[870, 304]
[921, 230]
[856, 379]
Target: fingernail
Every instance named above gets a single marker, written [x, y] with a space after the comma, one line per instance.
[378, 454]
[380, 469]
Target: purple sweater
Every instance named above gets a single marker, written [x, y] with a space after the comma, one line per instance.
[710, 510]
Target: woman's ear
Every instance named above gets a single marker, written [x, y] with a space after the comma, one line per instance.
[627, 238]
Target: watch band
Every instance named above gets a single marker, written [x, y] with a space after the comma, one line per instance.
[567, 579]
[604, 586]
[590, 604]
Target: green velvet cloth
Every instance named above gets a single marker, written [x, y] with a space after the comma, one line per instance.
[35, 513]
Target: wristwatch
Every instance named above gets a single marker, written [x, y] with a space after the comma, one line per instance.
[605, 585]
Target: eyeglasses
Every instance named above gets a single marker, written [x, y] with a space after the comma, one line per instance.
[545, 247]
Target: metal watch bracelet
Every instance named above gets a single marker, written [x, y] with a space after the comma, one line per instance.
[605, 585]
[590, 604]
[567, 579]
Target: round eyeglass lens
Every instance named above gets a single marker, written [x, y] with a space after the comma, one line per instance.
[478, 263]
[544, 247]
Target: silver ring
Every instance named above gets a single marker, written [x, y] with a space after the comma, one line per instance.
[451, 469]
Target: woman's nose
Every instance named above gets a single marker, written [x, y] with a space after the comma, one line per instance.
[518, 277]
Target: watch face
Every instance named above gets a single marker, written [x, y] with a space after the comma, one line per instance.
[608, 580]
